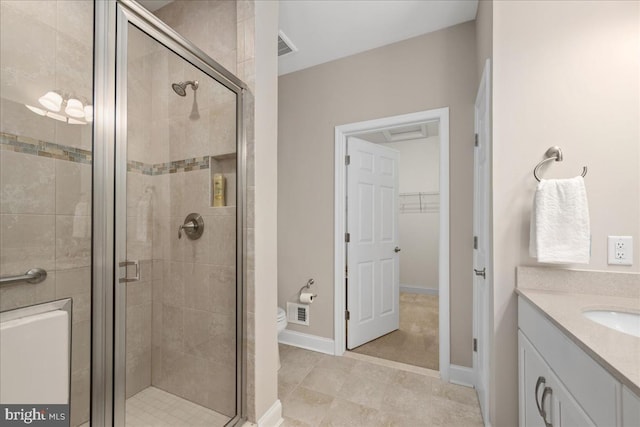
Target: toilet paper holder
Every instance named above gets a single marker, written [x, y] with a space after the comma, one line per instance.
[308, 287]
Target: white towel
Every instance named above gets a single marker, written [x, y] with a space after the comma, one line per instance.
[143, 220]
[560, 232]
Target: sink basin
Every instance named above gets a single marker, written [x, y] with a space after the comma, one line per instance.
[628, 323]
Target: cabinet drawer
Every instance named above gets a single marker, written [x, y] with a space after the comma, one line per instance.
[595, 390]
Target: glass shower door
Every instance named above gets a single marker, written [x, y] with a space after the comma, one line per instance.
[177, 328]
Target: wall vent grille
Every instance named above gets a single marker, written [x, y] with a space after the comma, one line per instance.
[298, 313]
[285, 46]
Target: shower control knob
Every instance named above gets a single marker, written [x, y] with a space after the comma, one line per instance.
[193, 226]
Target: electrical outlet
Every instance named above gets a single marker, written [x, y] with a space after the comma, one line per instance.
[620, 250]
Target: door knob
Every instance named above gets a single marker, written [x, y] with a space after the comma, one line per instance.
[397, 249]
[482, 272]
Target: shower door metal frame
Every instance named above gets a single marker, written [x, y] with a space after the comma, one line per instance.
[109, 201]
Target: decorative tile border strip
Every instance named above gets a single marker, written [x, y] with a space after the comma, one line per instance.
[35, 147]
[139, 167]
[186, 165]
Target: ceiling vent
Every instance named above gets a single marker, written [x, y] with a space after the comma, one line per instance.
[285, 46]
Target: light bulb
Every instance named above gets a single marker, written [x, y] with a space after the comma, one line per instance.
[38, 111]
[88, 113]
[74, 108]
[51, 100]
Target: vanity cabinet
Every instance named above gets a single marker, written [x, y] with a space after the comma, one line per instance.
[560, 385]
[544, 401]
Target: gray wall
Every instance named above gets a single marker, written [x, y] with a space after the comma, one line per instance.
[431, 71]
[419, 168]
[566, 73]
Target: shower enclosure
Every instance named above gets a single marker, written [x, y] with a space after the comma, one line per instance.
[122, 148]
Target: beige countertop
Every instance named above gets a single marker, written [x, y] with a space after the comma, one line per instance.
[563, 303]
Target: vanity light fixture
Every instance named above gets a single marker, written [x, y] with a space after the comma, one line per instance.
[51, 101]
[74, 108]
[88, 113]
[75, 111]
[38, 111]
[55, 116]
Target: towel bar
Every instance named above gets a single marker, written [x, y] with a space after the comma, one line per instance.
[553, 153]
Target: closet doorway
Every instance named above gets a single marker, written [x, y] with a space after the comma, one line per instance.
[394, 206]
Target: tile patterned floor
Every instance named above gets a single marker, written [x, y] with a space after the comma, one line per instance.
[153, 407]
[416, 342]
[321, 390]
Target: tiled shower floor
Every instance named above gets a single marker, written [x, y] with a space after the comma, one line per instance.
[153, 407]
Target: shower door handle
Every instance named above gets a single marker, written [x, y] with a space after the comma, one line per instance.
[126, 279]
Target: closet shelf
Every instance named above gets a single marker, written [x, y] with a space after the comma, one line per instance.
[420, 202]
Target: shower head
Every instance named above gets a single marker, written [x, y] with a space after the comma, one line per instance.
[181, 88]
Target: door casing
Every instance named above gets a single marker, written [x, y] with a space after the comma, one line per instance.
[341, 134]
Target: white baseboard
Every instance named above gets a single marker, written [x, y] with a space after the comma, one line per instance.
[462, 375]
[273, 416]
[418, 290]
[307, 341]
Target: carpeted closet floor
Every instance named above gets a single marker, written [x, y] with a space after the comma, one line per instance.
[416, 342]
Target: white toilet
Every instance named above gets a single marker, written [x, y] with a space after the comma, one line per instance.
[282, 324]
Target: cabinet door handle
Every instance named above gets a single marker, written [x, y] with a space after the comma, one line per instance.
[540, 382]
[547, 391]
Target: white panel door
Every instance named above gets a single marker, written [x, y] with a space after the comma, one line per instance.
[482, 243]
[373, 274]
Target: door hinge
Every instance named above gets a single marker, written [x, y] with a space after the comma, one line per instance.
[347, 237]
[476, 140]
[347, 316]
[475, 344]
[475, 242]
[347, 160]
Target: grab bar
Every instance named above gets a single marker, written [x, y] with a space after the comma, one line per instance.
[35, 275]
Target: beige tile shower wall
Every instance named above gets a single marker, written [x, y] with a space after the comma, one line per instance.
[141, 54]
[239, 57]
[210, 25]
[194, 293]
[45, 202]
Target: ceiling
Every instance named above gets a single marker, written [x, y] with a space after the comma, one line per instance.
[325, 30]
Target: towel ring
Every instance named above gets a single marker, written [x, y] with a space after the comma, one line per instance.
[553, 153]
